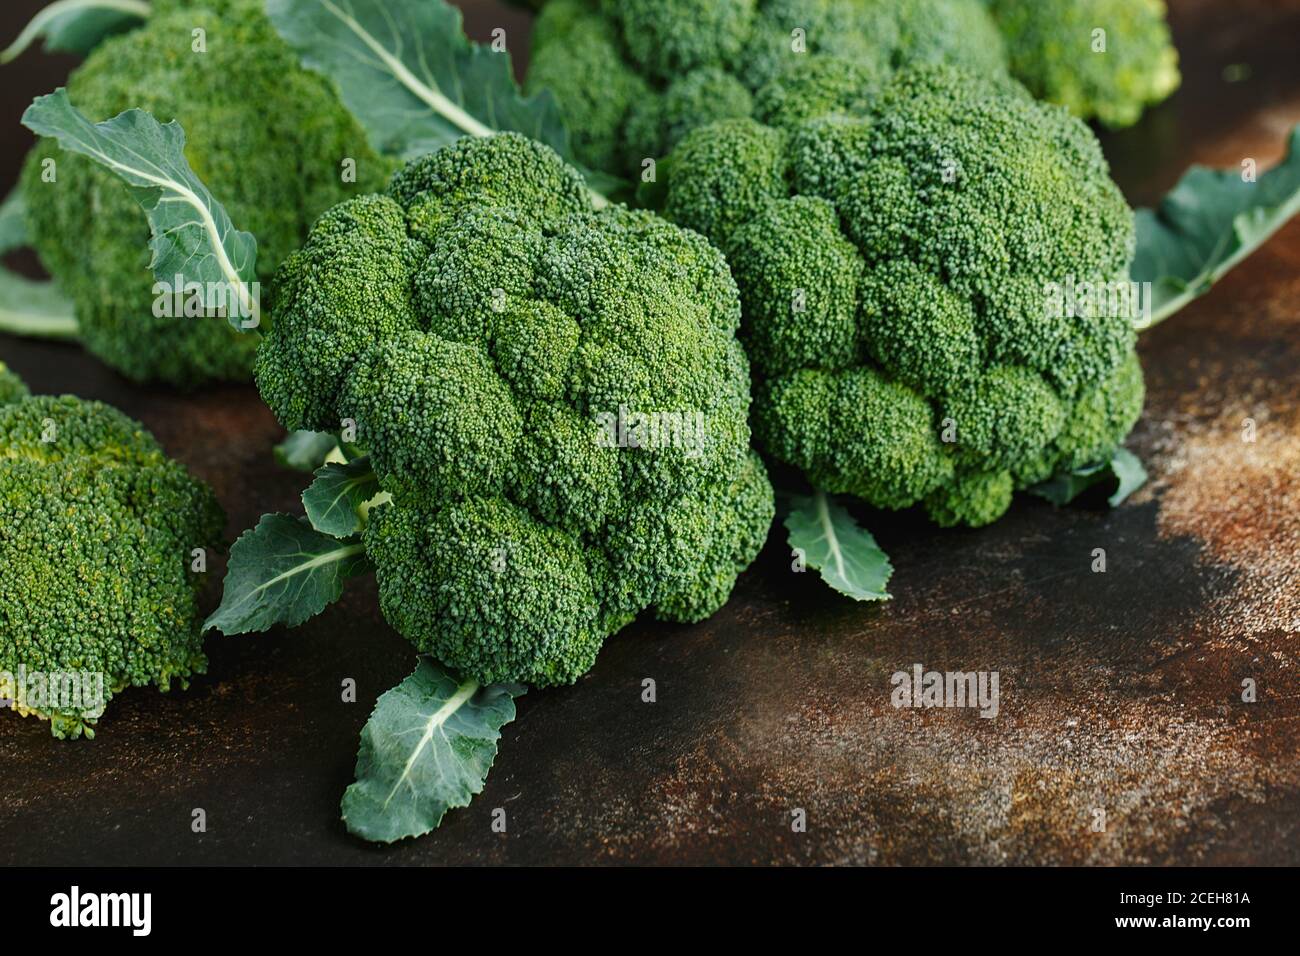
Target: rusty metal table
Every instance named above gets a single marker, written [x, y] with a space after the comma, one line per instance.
[1119, 691]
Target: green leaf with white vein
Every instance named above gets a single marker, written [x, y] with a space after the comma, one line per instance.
[77, 26]
[335, 500]
[1207, 224]
[845, 553]
[426, 749]
[283, 572]
[193, 237]
[407, 71]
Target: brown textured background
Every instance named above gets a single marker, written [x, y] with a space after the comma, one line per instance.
[1118, 690]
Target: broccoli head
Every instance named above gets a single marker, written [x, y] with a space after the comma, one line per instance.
[906, 278]
[634, 76]
[1108, 59]
[265, 135]
[554, 399]
[97, 530]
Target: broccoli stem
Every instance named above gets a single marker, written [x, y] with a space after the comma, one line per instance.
[39, 325]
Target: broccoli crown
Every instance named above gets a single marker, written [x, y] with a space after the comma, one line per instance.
[554, 398]
[907, 279]
[266, 136]
[1107, 59]
[634, 76]
[97, 530]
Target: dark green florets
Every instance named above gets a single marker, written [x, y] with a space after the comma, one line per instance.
[554, 398]
[97, 533]
[915, 287]
[265, 135]
[1108, 59]
[634, 76]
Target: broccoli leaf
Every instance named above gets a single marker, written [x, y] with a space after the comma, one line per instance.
[29, 306]
[1207, 224]
[413, 79]
[193, 237]
[407, 71]
[283, 572]
[1124, 472]
[845, 553]
[335, 501]
[426, 749]
[306, 451]
[77, 26]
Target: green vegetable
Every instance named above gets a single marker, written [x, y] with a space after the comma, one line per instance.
[98, 533]
[283, 572]
[409, 74]
[824, 535]
[27, 303]
[894, 270]
[264, 134]
[337, 500]
[1108, 59]
[12, 388]
[426, 749]
[1208, 223]
[78, 26]
[633, 77]
[1123, 474]
[306, 451]
[192, 233]
[502, 350]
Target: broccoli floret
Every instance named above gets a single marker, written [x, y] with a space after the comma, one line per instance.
[896, 270]
[97, 531]
[265, 135]
[1108, 59]
[632, 78]
[12, 388]
[657, 122]
[554, 399]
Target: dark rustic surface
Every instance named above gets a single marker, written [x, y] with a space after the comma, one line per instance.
[1119, 690]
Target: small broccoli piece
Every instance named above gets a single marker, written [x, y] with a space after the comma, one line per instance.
[1108, 59]
[12, 388]
[264, 134]
[895, 270]
[97, 530]
[554, 399]
[632, 78]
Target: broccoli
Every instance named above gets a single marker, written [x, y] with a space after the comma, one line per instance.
[12, 388]
[97, 530]
[552, 399]
[265, 134]
[635, 76]
[895, 272]
[1107, 59]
